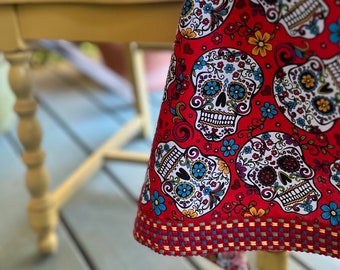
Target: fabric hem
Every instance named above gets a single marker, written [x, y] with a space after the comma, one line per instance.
[201, 239]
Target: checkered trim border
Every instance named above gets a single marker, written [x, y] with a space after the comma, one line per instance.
[191, 239]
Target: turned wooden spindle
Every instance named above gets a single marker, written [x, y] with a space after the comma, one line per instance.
[42, 214]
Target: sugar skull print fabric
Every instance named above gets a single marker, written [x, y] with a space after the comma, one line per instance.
[246, 153]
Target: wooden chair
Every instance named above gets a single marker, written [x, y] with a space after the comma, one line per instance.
[22, 21]
[130, 21]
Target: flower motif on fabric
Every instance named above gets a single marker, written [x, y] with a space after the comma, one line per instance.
[268, 110]
[253, 212]
[158, 203]
[199, 18]
[188, 33]
[229, 147]
[300, 18]
[184, 190]
[191, 213]
[238, 207]
[331, 212]
[335, 32]
[225, 81]
[217, 38]
[308, 94]
[177, 80]
[270, 162]
[195, 182]
[251, 33]
[261, 43]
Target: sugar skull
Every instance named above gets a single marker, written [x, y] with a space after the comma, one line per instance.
[310, 93]
[196, 183]
[225, 80]
[335, 174]
[200, 17]
[145, 194]
[273, 162]
[171, 76]
[304, 18]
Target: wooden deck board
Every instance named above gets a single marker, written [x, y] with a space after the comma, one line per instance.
[17, 242]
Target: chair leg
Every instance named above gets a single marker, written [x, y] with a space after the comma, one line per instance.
[267, 260]
[42, 213]
[136, 64]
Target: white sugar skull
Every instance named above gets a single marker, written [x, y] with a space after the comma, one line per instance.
[195, 182]
[304, 18]
[200, 17]
[310, 93]
[225, 81]
[171, 75]
[145, 194]
[273, 162]
[335, 174]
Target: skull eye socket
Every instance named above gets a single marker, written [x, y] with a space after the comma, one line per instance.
[308, 80]
[188, 6]
[184, 190]
[288, 163]
[236, 91]
[267, 176]
[211, 88]
[323, 105]
[198, 170]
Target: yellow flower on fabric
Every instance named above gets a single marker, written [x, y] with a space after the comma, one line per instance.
[191, 213]
[261, 43]
[323, 105]
[188, 33]
[223, 167]
[308, 81]
[255, 213]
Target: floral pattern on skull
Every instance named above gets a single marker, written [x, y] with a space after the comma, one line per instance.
[246, 149]
[273, 162]
[225, 80]
[145, 194]
[195, 182]
[309, 93]
[300, 18]
[199, 17]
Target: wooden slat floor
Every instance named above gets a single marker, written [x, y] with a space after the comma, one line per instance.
[95, 230]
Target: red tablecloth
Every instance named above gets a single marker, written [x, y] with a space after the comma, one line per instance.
[246, 153]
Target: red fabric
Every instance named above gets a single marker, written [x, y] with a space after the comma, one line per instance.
[246, 152]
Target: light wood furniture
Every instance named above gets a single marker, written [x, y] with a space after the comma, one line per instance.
[22, 21]
[106, 20]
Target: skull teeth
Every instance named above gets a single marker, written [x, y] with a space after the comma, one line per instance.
[301, 13]
[334, 70]
[217, 119]
[169, 161]
[297, 193]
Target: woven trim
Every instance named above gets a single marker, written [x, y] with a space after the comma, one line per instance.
[179, 239]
